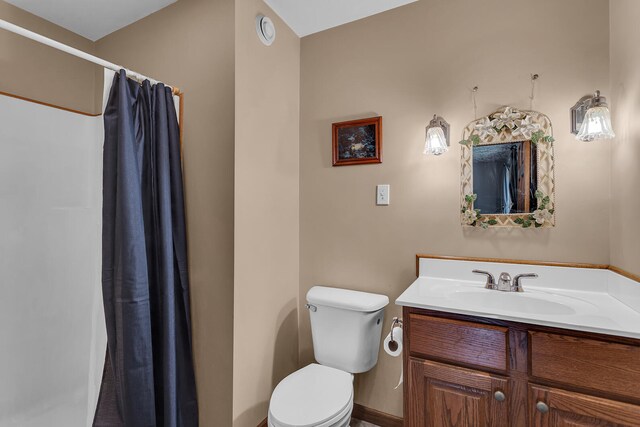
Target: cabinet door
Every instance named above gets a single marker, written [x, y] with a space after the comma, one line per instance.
[551, 407]
[442, 395]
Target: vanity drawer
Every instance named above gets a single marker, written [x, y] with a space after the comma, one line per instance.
[457, 341]
[587, 363]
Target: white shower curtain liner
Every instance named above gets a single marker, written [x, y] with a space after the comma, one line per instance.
[51, 198]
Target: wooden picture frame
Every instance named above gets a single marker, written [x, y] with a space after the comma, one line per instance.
[357, 142]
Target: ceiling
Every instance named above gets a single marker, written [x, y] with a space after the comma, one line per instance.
[311, 16]
[92, 19]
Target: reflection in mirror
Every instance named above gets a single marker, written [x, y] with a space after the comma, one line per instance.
[505, 177]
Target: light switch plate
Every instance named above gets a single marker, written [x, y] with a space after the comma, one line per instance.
[382, 195]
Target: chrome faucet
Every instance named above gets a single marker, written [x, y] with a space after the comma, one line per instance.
[505, 284]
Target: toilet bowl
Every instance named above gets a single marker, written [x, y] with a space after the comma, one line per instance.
[314, 396]
[346, 327]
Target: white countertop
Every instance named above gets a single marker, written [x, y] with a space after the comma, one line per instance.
[591, 300]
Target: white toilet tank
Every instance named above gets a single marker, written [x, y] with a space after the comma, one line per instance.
[346, 327]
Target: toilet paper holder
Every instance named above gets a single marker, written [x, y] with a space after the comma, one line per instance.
[395, 322]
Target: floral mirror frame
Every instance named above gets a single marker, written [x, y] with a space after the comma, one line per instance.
[506, 126]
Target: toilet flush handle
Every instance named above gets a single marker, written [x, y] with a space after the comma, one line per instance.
[311, 307]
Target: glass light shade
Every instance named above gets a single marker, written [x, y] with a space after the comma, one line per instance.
[596, 125]
[436, 143]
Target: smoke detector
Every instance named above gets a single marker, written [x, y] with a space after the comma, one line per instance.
[265, 29]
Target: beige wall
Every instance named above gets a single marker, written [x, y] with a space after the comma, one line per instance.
[35, 71]
[625, 107]
[406, 65]
[266, 213]
[298, 221]
[190, 44]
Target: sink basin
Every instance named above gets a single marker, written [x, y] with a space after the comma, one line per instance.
[529, 303]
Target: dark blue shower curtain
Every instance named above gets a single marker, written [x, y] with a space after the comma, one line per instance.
[148, 379]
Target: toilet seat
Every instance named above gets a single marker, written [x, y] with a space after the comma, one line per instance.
[314, 396]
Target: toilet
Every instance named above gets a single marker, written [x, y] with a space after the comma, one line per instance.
[346, 327]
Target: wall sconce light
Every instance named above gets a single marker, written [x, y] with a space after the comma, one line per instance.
[437, 140]
[591, 119]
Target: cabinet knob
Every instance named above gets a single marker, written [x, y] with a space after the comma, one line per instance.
[542, 407]
[499, 396]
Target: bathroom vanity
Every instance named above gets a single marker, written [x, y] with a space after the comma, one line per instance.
[565, 352]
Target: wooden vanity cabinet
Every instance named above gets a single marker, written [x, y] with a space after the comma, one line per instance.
[463, 371]
[566, 408]
[454, 396]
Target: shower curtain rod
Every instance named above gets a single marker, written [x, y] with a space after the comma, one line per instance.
[78, 53]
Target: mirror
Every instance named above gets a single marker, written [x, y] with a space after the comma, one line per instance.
[504, 177]
[507, 175]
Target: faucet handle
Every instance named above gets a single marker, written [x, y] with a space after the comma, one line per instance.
[491, 281]
[516, 286]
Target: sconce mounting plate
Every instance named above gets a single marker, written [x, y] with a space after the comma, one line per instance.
[578, 111]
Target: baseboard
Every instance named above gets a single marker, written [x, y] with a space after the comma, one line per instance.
[376, 417]
[369, 415]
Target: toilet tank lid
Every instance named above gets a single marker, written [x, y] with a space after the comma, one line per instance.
[346, 299]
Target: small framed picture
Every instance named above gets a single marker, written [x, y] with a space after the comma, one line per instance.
[357, 142]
